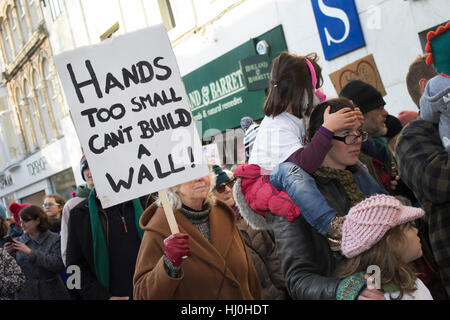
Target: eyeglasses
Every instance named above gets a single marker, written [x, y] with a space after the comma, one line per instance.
[352, 138]
[221, 188]
[49, 204]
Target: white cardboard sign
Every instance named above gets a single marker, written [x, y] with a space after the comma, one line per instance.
[211, 152]
[132, 115]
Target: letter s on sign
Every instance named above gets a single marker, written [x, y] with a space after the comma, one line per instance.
[335, 13]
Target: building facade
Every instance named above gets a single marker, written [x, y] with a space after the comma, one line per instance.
[223, 48]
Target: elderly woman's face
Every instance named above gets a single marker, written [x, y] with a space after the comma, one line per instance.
[194, 190]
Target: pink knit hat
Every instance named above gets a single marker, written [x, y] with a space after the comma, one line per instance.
[368, 221]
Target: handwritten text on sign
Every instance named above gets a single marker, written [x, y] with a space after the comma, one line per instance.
[132, 115]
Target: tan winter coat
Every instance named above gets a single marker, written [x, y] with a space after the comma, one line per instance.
[220, 269]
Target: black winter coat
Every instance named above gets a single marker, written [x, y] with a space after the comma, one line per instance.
[309, 266]
[80, 250]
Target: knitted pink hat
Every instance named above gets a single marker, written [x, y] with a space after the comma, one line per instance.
[368, 221]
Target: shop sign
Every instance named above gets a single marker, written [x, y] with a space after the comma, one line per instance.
[37, 166]
[256, 71]
[339, 26]
[219, 93]
[6, 181]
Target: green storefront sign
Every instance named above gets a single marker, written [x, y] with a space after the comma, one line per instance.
[218, 91]
[256, 70]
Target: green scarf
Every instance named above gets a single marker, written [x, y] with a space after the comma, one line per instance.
[345, 178]
[83, 191]
[101, 259]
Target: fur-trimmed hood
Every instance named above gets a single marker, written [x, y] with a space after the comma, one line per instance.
[255, 195]
[254, 219]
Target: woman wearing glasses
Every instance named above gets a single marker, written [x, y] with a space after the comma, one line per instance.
[38, 253]
[53, 206]
[311, 259]
[342, 181]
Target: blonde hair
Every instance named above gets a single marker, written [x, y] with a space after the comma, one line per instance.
[175, 200]
[386, 255]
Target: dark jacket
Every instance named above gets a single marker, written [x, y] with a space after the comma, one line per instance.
[80, 250]
[261, 245]
[309, 266]
[42, 268]
[425, 167]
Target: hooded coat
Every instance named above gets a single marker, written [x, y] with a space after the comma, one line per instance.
[220, 269]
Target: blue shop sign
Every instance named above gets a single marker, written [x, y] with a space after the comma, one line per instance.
[339, 26]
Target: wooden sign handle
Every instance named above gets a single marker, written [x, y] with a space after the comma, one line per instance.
[168, 211]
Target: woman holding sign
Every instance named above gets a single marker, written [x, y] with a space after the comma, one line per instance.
[218, 265]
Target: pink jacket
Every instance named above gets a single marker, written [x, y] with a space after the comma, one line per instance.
[261, 196]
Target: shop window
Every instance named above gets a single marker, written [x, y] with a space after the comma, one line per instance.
[63, 183]
[36, 198]
[230, 146]
[165, 8]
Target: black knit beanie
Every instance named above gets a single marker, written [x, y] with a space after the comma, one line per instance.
[363, 95]
[394, 126]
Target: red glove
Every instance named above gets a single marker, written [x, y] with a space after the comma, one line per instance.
[176, 246]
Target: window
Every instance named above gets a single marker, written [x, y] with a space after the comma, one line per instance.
[32, 7]
[6, 44]
[35, 116]
[63, 183]
[165, 8]
[22, 21]
[9, 132]
[14, 30]
[24, 116]
[44, 110]
[56, 8]
[50, 86]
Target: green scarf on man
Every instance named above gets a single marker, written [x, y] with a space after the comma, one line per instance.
[101, 258]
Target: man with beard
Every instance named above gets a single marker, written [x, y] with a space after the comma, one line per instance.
[371, 103]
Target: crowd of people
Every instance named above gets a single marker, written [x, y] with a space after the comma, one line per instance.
[330, 190]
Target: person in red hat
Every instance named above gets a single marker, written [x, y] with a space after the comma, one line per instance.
[15, 229]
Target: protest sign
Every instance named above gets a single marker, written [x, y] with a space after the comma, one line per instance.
[364, 69]
[132, 115]
[211, 152]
